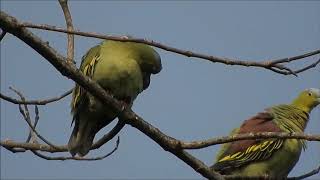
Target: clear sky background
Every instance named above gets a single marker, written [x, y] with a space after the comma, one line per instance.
[191, 99]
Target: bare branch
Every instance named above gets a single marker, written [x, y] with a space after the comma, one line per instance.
[308, 67]
[309, 174]
[36, 119]
[109, 135]
[264, 135]
[26, 117]
[273, 65]
[32, 146]
[67, 15]
[63, 158]
[35, 102]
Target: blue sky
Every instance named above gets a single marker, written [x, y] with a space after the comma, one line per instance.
[191, 99]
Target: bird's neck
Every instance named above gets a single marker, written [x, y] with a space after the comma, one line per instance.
[301, 105]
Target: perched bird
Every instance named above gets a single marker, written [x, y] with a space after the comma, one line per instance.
[121, 68]
[272, 158]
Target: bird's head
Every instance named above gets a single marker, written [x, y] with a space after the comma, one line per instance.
[149, 61]
[307, 99]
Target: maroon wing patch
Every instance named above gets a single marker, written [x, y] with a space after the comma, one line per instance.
[242, 152]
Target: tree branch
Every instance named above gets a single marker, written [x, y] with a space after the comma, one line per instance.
[109, 135]
[13, 26]
[36, 120]
[67, 15]
[247, 136]
[63, 158]
[35, 102]
[273, 65]
[26, 115]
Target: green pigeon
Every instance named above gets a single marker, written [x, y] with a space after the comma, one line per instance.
[122, 69]
[273, 158]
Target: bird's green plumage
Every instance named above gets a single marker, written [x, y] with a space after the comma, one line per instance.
[269, 157]
[121, 68]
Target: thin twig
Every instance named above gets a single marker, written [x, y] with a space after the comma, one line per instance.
[68, 18]
[36, 119]
[36, 102]
[107, 137]
[27, 119]
[247, 136]
[273, 65]
[63, 158]
[26, 115]
[308, 67]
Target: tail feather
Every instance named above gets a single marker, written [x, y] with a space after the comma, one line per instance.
[85, 128]
[82, 136]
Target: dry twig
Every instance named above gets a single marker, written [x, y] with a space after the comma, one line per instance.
[107, 137]
[35, 102]
[263, 135]
[26, 115]
[67, 15]
[63, 158]
[273, 65]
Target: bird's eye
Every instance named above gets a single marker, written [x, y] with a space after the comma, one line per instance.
[309, 93]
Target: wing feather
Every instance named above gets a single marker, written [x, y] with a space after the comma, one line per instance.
[239, 153]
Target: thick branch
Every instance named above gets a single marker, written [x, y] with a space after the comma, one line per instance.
[11, 25]
[264, 135]
[35, 102]
[273, 65]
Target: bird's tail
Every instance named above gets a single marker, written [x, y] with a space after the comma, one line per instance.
[82, 136]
